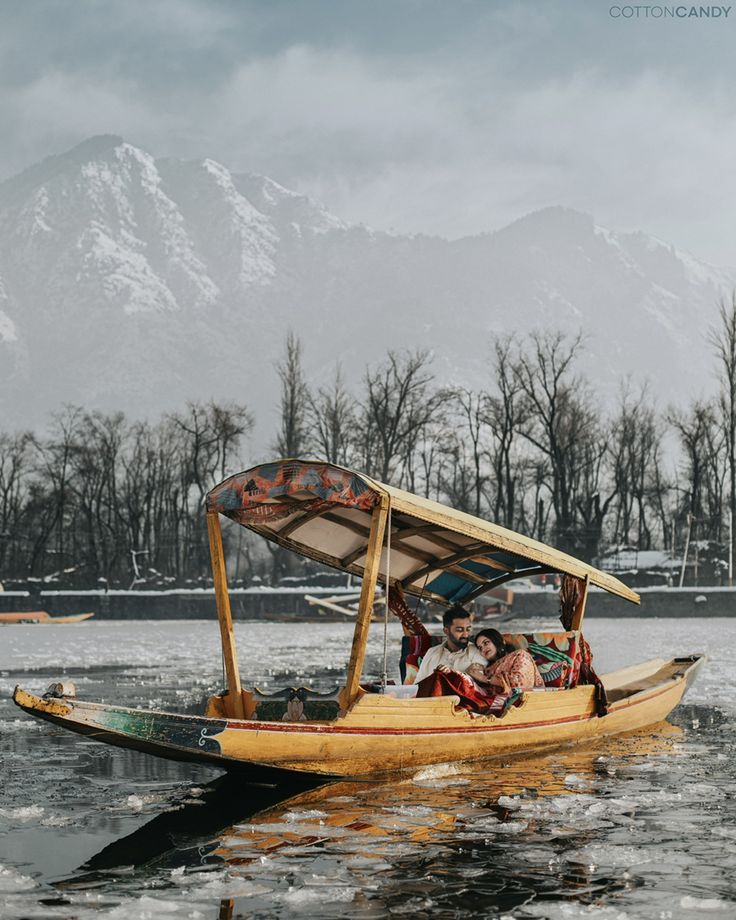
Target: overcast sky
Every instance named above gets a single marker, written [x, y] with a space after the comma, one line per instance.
[443, 116]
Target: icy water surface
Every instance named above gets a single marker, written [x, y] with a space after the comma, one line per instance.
[636, 827]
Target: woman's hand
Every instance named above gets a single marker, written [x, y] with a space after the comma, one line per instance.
[498, 683]
[443, 669]
[477, 672]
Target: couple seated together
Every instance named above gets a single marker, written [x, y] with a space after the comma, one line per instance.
[484, 672]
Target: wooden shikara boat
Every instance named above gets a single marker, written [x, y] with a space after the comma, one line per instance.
[382, 534]
[41, 616]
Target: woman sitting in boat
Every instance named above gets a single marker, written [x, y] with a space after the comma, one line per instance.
[507, 669]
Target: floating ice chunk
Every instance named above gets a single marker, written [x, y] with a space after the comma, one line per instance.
[691, 903]
[308, 897]
[483, 823]
[368, 863]
[57, 821]
[704, 789]
[436, 771]
[23, 813]
[574, 781]
[11, 880]
[510, 802]
[286, 827]
[137, 803]
[147, 907]
[511, 827]
[441, 783]
[563, 910]
[19, 725]
[410, 811]
[609, 856]
[413, 905]
[307, 814]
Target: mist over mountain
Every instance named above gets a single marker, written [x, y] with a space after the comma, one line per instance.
[138, 283]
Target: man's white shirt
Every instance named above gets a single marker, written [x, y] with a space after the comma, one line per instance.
[441, 655]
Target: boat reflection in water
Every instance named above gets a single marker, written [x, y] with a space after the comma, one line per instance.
[506, 832]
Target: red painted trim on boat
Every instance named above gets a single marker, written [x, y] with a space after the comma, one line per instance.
[340, 730]
[296, 728]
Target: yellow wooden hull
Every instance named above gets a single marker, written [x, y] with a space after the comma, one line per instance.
[380, 734]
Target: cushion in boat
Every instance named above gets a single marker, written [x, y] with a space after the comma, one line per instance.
[556, 655]
[413, 649]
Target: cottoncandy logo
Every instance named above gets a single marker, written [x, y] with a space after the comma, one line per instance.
[669, 12]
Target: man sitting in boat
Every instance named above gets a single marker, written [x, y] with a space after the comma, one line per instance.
[457, 652]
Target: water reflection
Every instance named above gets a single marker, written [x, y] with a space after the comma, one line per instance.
[506, 833]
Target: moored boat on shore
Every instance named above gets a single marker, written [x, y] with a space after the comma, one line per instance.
[41, 616]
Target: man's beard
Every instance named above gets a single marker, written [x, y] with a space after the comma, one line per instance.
[461, 643]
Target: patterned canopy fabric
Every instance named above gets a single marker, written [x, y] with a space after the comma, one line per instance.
[273, 491]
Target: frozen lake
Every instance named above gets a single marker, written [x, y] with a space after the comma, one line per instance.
[642, 826]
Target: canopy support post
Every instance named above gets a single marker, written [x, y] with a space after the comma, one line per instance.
[234, 700]
[365, 607]
[577, 617]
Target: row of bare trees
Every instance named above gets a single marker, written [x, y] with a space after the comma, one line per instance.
[105, 499]
[101, 499]
[533, 449]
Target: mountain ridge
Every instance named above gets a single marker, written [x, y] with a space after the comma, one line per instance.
[136, 283]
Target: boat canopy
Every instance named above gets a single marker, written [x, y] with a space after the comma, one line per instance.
[324, 511]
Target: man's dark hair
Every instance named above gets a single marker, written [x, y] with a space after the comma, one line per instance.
[454, 613]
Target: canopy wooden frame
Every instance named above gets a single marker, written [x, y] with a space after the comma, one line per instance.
[234, 702]
[448, 540]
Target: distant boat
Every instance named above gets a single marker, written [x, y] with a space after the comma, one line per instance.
[375, 531]
[40, 616]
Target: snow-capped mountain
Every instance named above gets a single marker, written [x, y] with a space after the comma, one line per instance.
[135, 283]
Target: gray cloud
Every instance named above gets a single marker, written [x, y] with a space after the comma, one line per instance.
[422, 116]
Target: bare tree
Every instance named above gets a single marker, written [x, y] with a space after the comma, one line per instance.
[560, 422]
[658, 494]
[703, 468]
[505, 415]
[95, 464]
[293, 437]
[723, 340]
[210, 433]
[635, 439]
[15, 455]
[398, 403]
[464, 444]
[332, 417]
[592, 498]
[53, 467]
